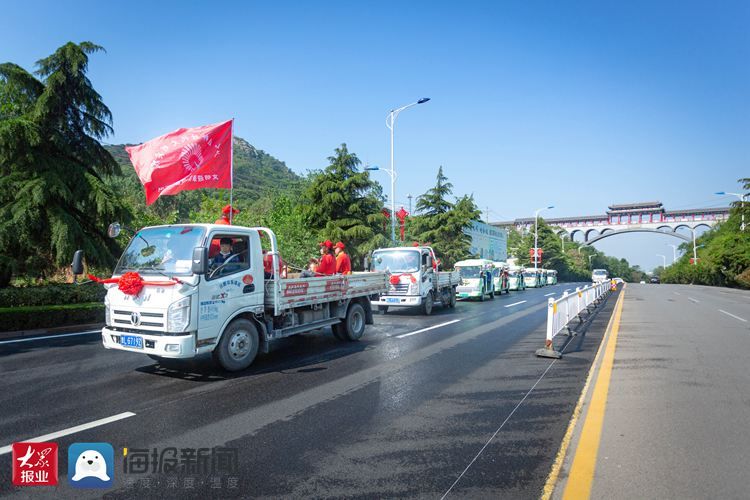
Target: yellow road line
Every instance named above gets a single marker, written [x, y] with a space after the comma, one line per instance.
[584, 462]
[549, 485]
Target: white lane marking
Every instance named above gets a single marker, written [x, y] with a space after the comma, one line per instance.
[695, 301]
[677, 293]
[50, 337]
[547, 295]
[71, 430]
[732, 315]
[426, 329]
[515, 303]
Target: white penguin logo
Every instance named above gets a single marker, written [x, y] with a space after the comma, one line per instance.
[91, 463]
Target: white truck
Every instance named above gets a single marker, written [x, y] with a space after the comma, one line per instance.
[415, 279]
[173, 296]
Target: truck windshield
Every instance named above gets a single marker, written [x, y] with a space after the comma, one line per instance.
[396, 261]
[469, 272]
[600, 272]
[161, 250]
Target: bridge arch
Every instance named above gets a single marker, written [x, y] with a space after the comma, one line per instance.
[577, 233]
[636, 230]
[590, 232]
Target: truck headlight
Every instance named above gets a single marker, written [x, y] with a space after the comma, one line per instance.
[178, 315]
[107, 312]
[413, 288]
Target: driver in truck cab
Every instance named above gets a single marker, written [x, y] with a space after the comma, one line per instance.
[225, 251]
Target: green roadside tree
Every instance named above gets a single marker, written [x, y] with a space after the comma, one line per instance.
[442, 224]
[344, 204]
[53, 197]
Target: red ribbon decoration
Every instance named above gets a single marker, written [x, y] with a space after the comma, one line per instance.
[401, 215]
[131, 283]
[395, 279]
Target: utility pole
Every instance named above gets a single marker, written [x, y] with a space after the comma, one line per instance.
[409, 202]
[487, 218]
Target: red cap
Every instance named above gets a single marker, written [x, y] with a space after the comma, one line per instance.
[340, 245]
[326, 243]
[229, 208]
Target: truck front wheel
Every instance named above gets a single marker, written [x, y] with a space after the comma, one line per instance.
[238, 346]
[353, 326]
[427, 303]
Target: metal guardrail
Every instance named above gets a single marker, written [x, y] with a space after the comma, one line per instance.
[562, 311]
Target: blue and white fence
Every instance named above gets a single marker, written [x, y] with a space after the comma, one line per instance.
[562, 311]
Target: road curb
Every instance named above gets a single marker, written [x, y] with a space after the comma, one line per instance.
[40, 332]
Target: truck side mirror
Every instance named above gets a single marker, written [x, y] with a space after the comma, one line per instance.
[114, 229]
[77, 265]
[428, 264]
[366, 263]
[200, 260]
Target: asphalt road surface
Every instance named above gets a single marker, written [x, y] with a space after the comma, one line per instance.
[454, 404]
[677, 420]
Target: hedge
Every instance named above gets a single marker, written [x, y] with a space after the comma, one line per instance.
[51, 295]
[32, 317]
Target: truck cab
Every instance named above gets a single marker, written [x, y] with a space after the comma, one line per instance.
[415, 279]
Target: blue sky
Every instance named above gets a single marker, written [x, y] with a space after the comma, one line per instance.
[576, 104]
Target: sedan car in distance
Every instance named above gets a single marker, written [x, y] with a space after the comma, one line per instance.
[655, 280]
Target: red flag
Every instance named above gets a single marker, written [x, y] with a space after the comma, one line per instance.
[188, 158]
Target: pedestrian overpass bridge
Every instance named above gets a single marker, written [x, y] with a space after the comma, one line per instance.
[648, 217]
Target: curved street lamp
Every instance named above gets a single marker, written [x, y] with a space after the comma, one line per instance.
[743, 198]
[390, 122]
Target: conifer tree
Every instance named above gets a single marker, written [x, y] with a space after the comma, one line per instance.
[344, 204]
[53, 198]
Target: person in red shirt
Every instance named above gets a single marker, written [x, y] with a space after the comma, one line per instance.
[343, 262]
[327, 264]
[224, 219]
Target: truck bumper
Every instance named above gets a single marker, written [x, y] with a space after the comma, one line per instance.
[397, 300]
[165, 346]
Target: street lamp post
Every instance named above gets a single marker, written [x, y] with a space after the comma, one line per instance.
[390, 122]
[562, 241]
[664, 259]
[590, 257]
[674, 252]
[536, 233]
[695, 249]
[743, 198]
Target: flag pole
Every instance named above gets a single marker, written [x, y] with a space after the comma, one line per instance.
[231, 171]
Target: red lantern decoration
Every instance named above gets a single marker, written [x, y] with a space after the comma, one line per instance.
[401, 215]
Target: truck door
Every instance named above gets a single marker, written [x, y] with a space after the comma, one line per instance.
[428, 274]
[234, 280]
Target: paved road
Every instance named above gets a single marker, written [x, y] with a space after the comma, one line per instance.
[445, 410]
[677, 416]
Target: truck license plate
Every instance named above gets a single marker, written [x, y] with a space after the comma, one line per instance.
[392, 300]
[131, 341]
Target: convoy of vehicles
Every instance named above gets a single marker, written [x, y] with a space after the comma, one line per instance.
[174, 296]
[599, 276]
[476, 279]
[500, 277]
[415, 279]
[186, 303]
[516, 278]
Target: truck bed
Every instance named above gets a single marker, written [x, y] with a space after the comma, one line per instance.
[288, 293]
[448, 278]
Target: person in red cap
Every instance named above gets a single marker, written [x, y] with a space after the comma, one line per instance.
[343, 262]
[224, 219]
[327, 264]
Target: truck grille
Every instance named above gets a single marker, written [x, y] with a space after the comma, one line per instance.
[144, 320]
[399, 289]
